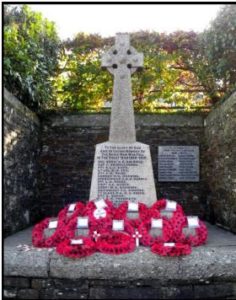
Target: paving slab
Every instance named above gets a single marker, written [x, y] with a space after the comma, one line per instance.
[214, 261]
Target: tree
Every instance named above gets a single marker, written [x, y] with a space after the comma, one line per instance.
[218, 50]
[82, 85]
[31, 48]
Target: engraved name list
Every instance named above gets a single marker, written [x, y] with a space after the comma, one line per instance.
[117, 169]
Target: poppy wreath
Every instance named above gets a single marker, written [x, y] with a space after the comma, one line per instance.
[161, 204]
[128, 226]
[78, 211]
[197, 239]
[177, 250]
[147, 239]
[76, 251]
[100, 224]
[115, 243]
[122, 210]
[70, 229]
[38, 238]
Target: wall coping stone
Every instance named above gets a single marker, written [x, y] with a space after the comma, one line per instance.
[12, 101]
[103, 120]
[215, 261]
[228, 105]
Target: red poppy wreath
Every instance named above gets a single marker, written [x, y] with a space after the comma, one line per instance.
[40, 240]
[196, 239]
[122, 210]
[147, 239]
[71, 211]
[162, 204]
[99, 213]
[171, 249]
[76, 248]
[115, 243]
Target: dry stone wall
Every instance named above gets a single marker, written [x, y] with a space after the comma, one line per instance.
[68, 146]
[48, 162]
[220, 134]
[21, 149]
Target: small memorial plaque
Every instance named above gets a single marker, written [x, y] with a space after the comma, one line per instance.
[178, 163]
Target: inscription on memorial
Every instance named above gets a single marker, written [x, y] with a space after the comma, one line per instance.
[118, 178]
[178, 163]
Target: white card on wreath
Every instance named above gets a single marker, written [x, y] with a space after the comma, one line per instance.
[169, 244]
[193, 222]
[82, 222]
[99, 213]
[118, 225]
[53, 224]
[100, 203]
[71, 207]
[132, 206]
[77, 242]
[171, 205]
[157, 223]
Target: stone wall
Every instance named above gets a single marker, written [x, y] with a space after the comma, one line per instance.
[220, 133]
[21, 149]
[68, 145]
[38, 288]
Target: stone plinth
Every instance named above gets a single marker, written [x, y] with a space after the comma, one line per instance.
[208, 272]
[123, 172]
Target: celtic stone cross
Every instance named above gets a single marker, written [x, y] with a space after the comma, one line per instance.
[122, 60]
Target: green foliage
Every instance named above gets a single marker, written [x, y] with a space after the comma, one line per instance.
[181, 69]
[30, 55]
[218, 49]
[81, 84]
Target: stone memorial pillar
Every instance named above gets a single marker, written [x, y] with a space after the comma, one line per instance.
[122, 167]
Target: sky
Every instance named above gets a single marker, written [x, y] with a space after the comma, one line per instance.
[107, 20]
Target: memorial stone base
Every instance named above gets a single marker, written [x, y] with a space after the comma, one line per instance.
[208, 272]
[123, 172]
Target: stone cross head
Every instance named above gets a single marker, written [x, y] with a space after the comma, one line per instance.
[122, 58]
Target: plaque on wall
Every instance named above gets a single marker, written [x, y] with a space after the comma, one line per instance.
[178, 163]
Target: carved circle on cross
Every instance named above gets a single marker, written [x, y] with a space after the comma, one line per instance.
[126, 62]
